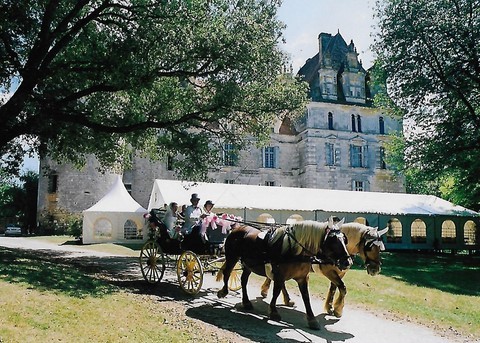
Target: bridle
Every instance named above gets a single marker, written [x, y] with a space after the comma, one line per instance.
[370, 242]
[321, 258]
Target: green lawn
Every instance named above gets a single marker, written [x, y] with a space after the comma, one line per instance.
[436, 290]
[37, 295]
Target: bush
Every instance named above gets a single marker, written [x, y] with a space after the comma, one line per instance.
[61, 223]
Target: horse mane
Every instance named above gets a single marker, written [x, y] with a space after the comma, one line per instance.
[354, 232]
[309, 234]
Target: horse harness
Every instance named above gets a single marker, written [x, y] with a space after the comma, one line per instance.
[272, 251]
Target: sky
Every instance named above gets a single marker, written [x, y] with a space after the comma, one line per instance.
[305, 20]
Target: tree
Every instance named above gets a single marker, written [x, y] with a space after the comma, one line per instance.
[18, 200]
[163, 77]
[430, 51]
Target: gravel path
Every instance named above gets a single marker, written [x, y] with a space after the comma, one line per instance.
[226, 315]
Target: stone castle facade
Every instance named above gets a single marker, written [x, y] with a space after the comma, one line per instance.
[338, 143]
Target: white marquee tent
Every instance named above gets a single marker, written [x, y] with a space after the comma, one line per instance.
[228, 196]
[117, 217]
[436, 219]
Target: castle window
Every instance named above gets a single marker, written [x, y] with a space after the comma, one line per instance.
[359, 186]
[330, 121]
[356, 156]
[354, 126]
[52, 183]
[330, 154]
[359, 123]
[169, 162]
[229, 155]
[270, 157]
[383, 165]
[381, 125]
[128, 187]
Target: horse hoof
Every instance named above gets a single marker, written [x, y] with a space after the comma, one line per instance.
[290, 303]
[248, 306]
[329, 311]
[221, 293]
[313, 324]
[263, 294]
[337, 314]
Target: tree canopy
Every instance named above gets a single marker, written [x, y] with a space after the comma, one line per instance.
[163, 77]
[430, 52]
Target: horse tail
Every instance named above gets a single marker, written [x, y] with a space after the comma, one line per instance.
[220, 272]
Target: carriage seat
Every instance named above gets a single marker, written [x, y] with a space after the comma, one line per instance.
[216, 239]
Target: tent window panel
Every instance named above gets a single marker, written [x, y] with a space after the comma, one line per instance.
[361, 220]
[102, 228]
[293, 219]
[266, 218]
[448, 232]
[419, 231]
[394, 233]
[470, 233]
[130, 230]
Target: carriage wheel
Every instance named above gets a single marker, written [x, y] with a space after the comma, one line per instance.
[152, 262]
[190, 272]
[234, 282]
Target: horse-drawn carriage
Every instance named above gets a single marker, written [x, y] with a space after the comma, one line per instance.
[190, 261]
[286, 252]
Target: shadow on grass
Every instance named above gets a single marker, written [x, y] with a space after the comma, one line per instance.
[54, 271]
[255, 324]
[456, 274]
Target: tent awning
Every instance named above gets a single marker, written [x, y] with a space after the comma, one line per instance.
[117, 200]
[228, 196]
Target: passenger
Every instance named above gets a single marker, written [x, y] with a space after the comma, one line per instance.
[170, 221]
[181, 214]
[193, 239]
[207, 208]
[193, 215]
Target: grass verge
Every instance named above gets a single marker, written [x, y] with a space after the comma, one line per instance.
[439, 291]
[45, 299]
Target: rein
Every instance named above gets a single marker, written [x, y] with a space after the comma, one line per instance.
[257, 225]
[289, 234]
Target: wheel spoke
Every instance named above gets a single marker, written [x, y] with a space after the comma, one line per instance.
[152, 262]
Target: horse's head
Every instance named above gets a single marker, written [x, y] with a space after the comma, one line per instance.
[370, 250]
[334, 247]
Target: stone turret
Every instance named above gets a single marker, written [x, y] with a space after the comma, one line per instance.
[335, 74]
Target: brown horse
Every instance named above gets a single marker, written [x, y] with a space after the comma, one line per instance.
[364, 241]
[283, 254]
